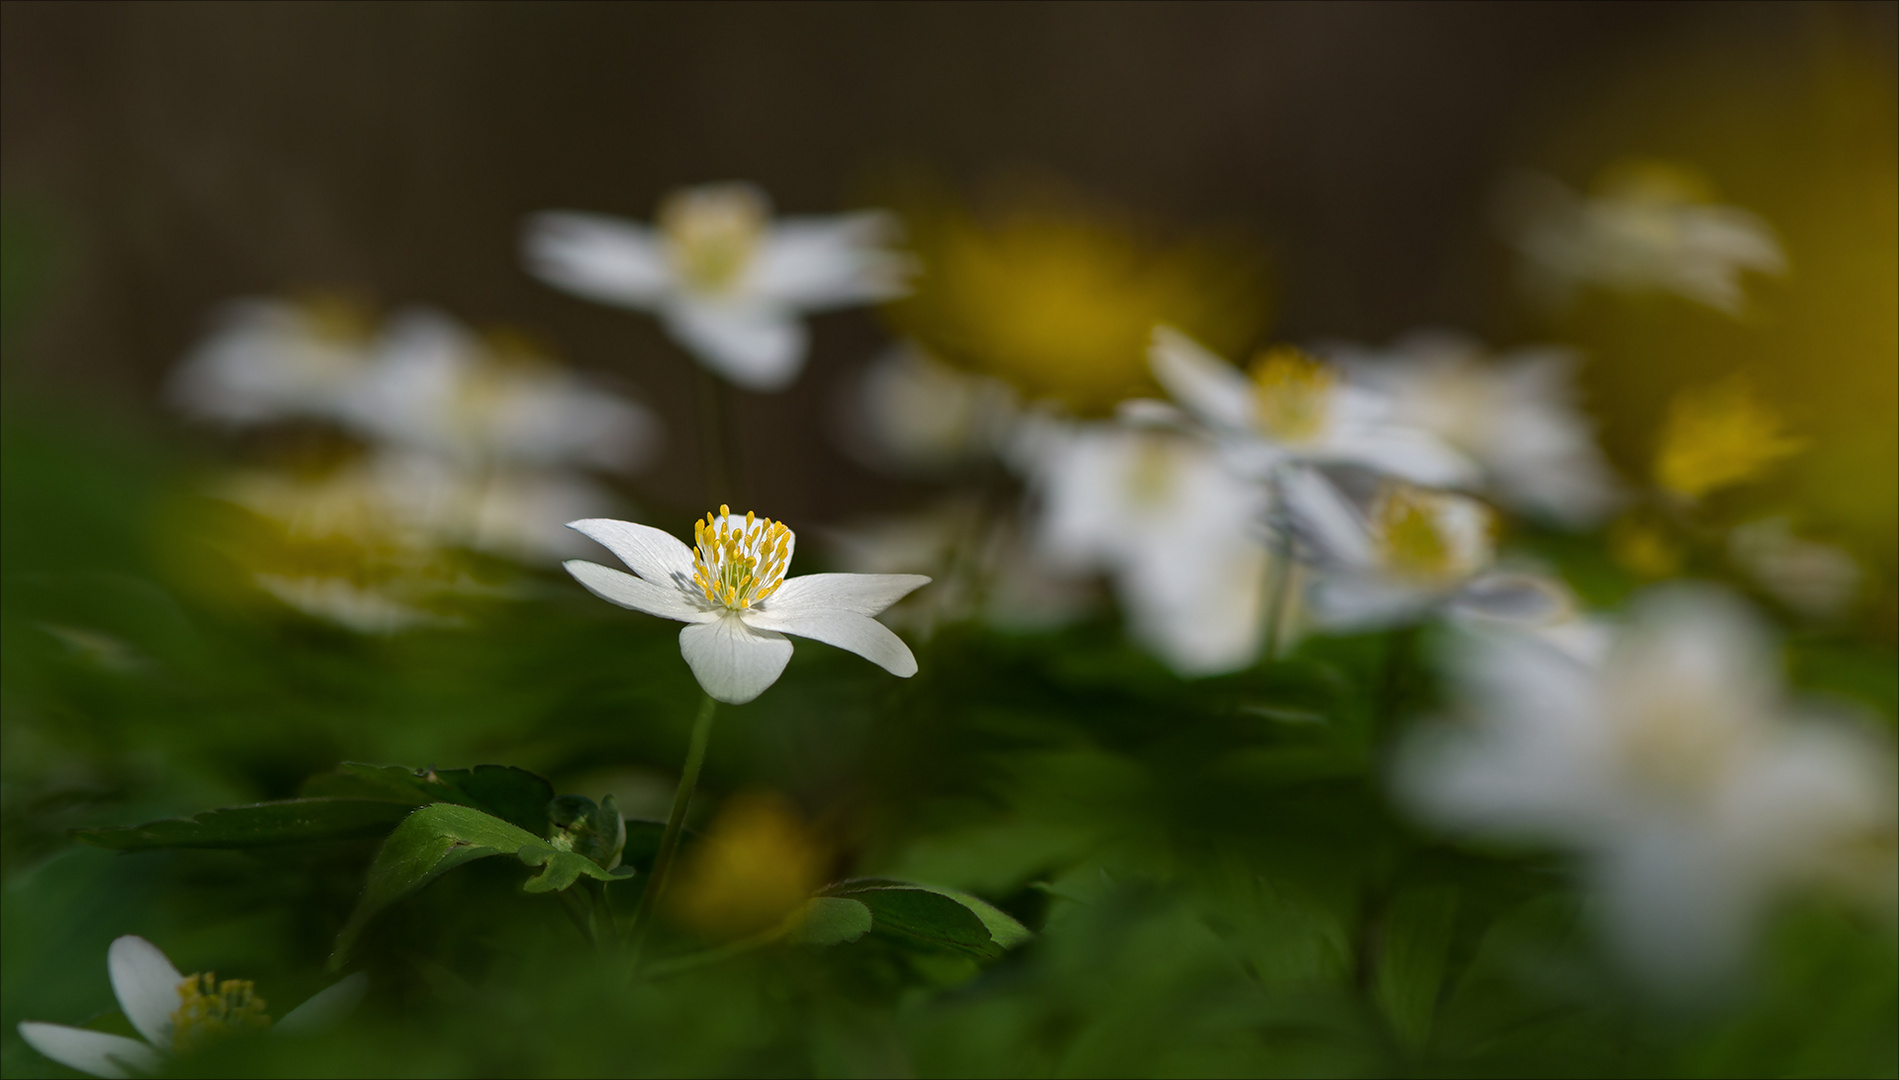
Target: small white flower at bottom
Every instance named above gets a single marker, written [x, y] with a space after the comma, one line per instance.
[731, 590]
[176, 1014]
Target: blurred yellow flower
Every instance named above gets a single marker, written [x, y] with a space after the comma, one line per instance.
[1644, 548]
[1718, 436]
[1057, 297]
[757, 863]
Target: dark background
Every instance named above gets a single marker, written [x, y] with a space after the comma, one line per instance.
[177, 155]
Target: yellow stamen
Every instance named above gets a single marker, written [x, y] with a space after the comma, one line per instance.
[1293, 392]
[712, 233]
[210, 1011]
[1411, 530]
[739, 562]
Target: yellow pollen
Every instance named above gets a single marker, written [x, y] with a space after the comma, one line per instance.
[1718, 436]
[738, 563]
[712, 232]
[1409, 526]
[210, 1011]
[1293, 391]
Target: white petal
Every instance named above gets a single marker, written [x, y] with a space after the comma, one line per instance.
[146, 985]
[654, 554]
[847, 630]
[1320, 515]
[598, 257]
[757, 348]
[827, 262]
[1212, 389]
[1345, 604]
[733, 662]
[325, 1009]
[1408, 453]
[628, 591]
[94, 1052]
[1513, 597]
[865, 594]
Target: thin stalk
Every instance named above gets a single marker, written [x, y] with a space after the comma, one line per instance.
[715, 440]
[669, 840]
[1279, 573]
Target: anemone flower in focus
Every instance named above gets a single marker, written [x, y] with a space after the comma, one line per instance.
[1055, 296]
[1515, 416]
[726, 280]
[1178, 534]
[1695, 793]
[731, 590]
[177, 1014]
[1289, 407]
[1410, 553]
[1649, 226]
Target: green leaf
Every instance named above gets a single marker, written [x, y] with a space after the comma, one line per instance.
[935, 917]
[514, 795]
[429, 843]
[828, 920]
[291, 821]
[563, 868]
[1415, 943]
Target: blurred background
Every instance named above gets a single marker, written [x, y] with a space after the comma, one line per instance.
[1337, 166]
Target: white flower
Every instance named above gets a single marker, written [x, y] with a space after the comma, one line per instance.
[1289, 407]
[726, 280]
[1516, 416]
[1649, 229]
[274, 360]
[911, 413]
[434, 387]
[1178, 533]
[1817, 580]
[1694, 792]
[1410, 553]
[731, 589]
[176, 1014]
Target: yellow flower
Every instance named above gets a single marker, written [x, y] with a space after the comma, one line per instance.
[1058, 298]
[1718, 436]
[757, 863]
[1644, 548]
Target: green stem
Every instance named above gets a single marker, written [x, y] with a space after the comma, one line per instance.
[714, 955]
[669, 840]
[715, 439]
[1279, 573]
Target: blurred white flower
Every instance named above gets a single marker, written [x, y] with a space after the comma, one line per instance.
[1695, 793]
[176, 1014]
[1515, 415]
[1817, 580]
[1288, 407]
[726, 280]
[435, 387]
[730, 588]
[275, 360]
[1410, 553]
[1650, 227]
[911, 413]
[1180, 536]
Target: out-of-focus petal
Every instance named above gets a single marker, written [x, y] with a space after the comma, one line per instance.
[615, 587]
[601, 258]
[113, 1057]
[758, 348]
[654, 554]
[1407, 453]
[1521, 598]
[848, 630]
[1349, 603]
[814, 263]
[1210, 388]
[733, 662]
[146, 985]
[864, 594]
[325, 1008]
[1320, 515]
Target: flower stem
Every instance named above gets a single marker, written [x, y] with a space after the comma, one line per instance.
[1279, 570]
[716, 440]
[669, 840]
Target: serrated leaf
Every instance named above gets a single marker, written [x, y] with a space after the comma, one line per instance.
[514, 795]
[427, 844]
[291, 821]
[828, 920]
[934, 917]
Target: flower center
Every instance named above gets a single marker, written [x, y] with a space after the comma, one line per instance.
[1429, 538]
[712, 233]
[739, 561]
[210, 1012]
[1293, 392]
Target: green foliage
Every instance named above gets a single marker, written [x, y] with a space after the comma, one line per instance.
[259, 825]
[934, 917]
